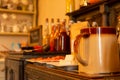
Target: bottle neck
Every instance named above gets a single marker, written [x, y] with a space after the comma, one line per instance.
[63, 28]
[52, 28]
[46, 27]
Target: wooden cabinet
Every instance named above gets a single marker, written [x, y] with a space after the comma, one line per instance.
[10, 18]
[15, 63]
[14, 66]
[104, 13]
[2, 71]
[14, 69]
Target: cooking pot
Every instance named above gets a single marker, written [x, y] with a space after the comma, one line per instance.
[96, 50]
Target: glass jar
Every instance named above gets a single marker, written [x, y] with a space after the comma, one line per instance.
[52, 47]
[56, 36]
[24, 4]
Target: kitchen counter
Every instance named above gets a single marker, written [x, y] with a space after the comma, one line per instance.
[15, 63]
[19, 68]
[35, 71]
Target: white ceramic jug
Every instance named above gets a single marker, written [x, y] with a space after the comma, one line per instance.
[96, 50]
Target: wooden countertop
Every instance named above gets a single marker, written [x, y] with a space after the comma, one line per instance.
[67, 75]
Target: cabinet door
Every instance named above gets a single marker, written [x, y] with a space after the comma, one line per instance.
[2, 70]
[14, 70]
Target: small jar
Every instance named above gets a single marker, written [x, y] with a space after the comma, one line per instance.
[30, 7]
[24, 4]
[25, 30]
[15, 28]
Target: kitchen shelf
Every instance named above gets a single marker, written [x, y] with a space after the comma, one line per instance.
[104, 13]
[23, 17]
[13, 34]
[17, 11]
[92, 7]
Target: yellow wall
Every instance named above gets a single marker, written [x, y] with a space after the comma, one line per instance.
[51, 9]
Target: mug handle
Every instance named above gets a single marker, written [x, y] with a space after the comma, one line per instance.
[76, 48]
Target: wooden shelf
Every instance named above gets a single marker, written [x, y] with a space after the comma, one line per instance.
[84, 9]
[104, 13]
[17, 11]
[91, 7]
[13, 34]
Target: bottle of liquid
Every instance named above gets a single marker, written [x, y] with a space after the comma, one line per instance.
[56, 36]
[52, 48]
[70, 22]
[64, 38]
[46, 33]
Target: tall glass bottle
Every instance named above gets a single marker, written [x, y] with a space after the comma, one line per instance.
[56, 36]
[52, 48]
[46, 33]
[64, 38]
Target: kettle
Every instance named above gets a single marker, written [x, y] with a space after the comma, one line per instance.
[96, 50]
